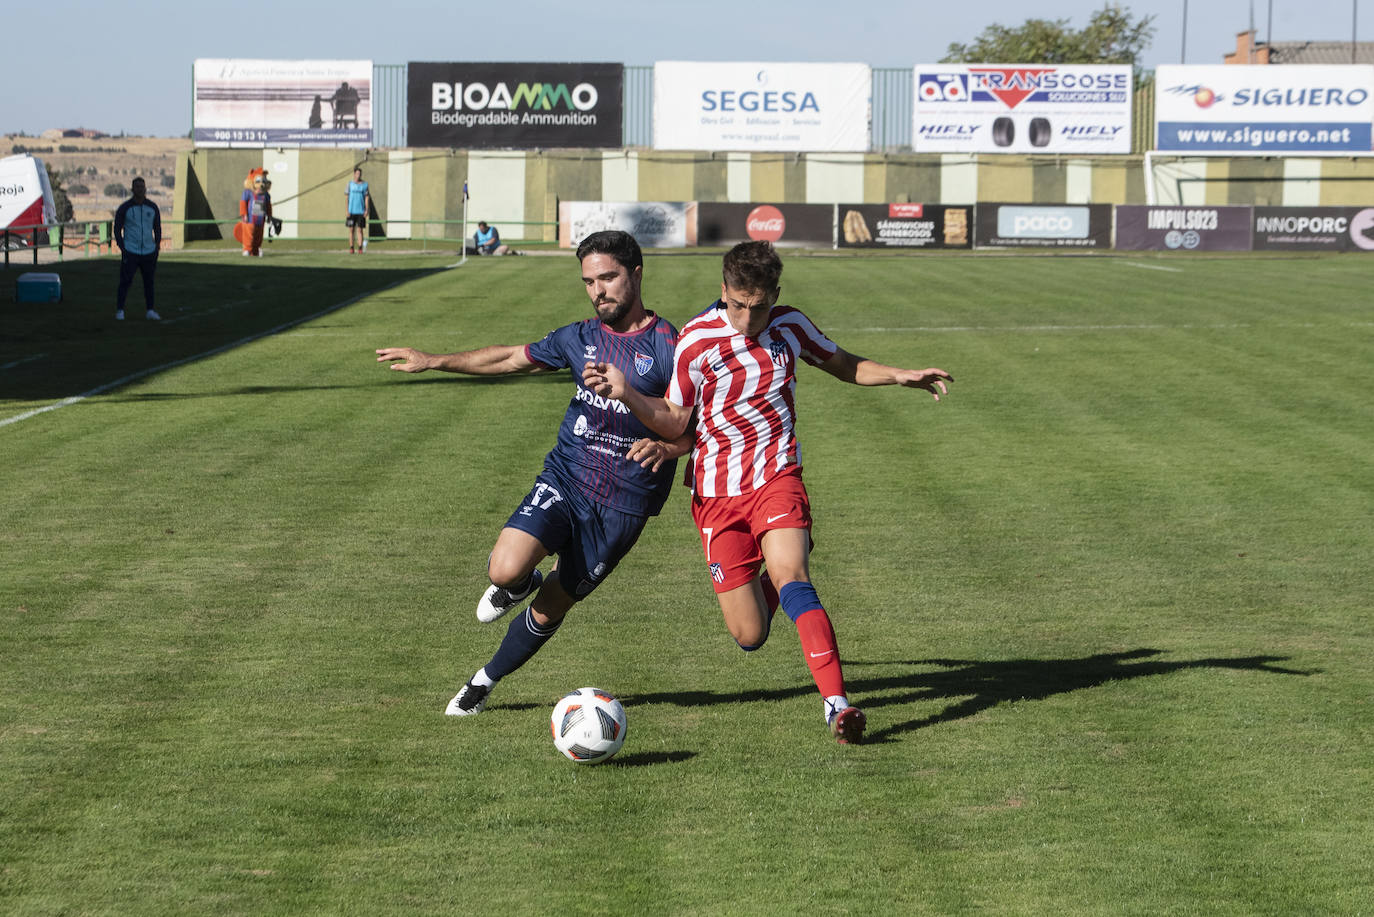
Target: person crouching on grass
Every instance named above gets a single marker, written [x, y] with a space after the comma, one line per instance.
[735, 368]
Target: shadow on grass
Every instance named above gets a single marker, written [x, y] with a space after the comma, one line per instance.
[649, 758]
[978, 684]
[74, 347]
[248, 390]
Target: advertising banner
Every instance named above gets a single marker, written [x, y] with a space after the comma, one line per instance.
[763, 107]
[281, 103]
[25, 197]
[654, 224]
[1209, 229]
[781, 224]
[1022, 108]
[904, 226]
[1308, 109]
[1337, 229]
[514, 106]
[1024, 225]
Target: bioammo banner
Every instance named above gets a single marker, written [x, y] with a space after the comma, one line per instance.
[654, 224]
[514, 106]
[282, 103]
[721, 223]
[1308, 109]
[1339, 229]
[1022, 108]
[1067, 226]
[784, 107]
[904, 226]
[1210, 229]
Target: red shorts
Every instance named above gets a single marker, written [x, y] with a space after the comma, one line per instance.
[731, 527]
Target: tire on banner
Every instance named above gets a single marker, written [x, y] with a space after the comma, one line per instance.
[1003, 131]
[1040, 132]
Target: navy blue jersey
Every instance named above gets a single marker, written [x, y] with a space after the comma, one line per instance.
[597, 432]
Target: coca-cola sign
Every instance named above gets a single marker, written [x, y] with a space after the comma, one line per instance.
[765, 223]
[781, 224]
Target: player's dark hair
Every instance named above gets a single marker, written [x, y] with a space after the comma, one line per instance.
[752, 266]
[619, 245]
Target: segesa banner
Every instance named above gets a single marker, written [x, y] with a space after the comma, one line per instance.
[1229, 108]
[1022, 108]
[514, 106]
[781, 107]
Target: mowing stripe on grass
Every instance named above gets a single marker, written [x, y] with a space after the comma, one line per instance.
[13, 364]
[134, 377]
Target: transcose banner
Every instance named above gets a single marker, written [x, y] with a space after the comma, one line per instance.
[514, 106]
[279, 103]
[781, 107]
[904, 226]
[1022, 108]
[1228, 108]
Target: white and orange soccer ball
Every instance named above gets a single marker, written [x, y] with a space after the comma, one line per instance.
[588, 726]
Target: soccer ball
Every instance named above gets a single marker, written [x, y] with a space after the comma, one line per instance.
[588, 726]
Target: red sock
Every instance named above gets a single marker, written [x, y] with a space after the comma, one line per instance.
[821, 652]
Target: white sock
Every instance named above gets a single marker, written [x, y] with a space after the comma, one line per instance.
[833, 705]
[483, 680]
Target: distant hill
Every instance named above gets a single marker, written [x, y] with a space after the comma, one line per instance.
[104, 161]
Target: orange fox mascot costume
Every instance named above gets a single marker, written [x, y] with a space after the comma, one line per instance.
[243, 229]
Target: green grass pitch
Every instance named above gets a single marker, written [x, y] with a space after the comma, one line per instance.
[1107, 606]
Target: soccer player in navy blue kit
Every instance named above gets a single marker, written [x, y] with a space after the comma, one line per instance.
[593, 497]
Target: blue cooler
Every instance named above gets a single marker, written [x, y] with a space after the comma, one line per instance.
[35, 287]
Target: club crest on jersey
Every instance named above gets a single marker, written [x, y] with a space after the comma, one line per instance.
[643, 363]
[779, 351]
[717, 573]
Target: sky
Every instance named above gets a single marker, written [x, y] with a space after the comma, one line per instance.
[126, 67]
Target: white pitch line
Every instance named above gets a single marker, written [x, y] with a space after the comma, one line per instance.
[133, 377]
[1154, 267]
[23, 361]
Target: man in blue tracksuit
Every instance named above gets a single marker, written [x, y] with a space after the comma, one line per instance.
[138, 233]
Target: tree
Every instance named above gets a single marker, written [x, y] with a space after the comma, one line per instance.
[61, 203]
[1112, 36]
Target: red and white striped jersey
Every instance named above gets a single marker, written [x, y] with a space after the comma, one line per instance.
[745, 393]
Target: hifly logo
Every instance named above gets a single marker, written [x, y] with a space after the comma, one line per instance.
[943, 87]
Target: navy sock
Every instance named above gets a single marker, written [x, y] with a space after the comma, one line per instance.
[523, 639]
[798, 598]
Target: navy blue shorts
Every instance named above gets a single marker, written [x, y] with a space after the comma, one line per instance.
[588, 537]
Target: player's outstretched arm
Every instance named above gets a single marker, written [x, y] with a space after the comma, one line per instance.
[497, 360]
[849, 367]
[658, 414]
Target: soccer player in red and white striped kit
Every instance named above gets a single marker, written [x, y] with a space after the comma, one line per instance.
[735, 367]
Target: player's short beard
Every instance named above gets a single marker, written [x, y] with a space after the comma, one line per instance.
[617, 311]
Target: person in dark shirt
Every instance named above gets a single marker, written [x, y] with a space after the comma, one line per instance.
[605, 475]
[138, 233]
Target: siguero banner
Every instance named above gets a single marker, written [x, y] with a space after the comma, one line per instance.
[514, 106]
